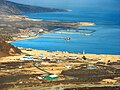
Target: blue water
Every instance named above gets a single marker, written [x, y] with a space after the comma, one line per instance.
[105, 40]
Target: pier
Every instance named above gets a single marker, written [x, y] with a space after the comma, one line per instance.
[52, 37]
[86, 32]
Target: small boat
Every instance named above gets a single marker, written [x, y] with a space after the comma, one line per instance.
[67, 38]
[87, 34]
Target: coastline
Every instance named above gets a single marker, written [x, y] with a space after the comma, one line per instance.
[36, 53]
[88, 38]
[21, 67]
[18, 39]
[30, 70]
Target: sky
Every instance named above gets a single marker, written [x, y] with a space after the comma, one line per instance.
[114, 4]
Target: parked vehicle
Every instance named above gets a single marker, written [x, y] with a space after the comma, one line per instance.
[27, 58]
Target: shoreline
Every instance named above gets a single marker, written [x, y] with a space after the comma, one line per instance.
[19, 39]
[27, 68]
[36, 53]
[56, 50]
[71, 23]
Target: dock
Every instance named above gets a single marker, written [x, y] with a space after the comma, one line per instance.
[52, 37]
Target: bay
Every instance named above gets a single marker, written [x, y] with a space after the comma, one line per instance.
[105, 40]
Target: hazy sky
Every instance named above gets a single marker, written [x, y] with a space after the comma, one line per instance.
[69, 3]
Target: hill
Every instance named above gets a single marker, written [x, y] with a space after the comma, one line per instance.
[12, 8]
[8, 49]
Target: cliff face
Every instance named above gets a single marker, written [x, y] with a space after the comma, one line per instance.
[8, 7]
[8, 49]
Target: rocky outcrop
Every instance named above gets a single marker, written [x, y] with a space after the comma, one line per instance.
[8, 49]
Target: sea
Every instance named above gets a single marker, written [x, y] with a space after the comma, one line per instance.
[104, 13]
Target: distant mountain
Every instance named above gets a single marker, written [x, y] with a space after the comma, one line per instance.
[10, 8]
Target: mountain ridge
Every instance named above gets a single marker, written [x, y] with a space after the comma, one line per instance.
[12, 8]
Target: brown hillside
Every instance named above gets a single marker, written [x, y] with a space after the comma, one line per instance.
[8, 49]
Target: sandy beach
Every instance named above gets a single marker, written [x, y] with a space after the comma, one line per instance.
[36, 53]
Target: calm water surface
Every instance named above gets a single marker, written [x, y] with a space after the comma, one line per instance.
[106, 39]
